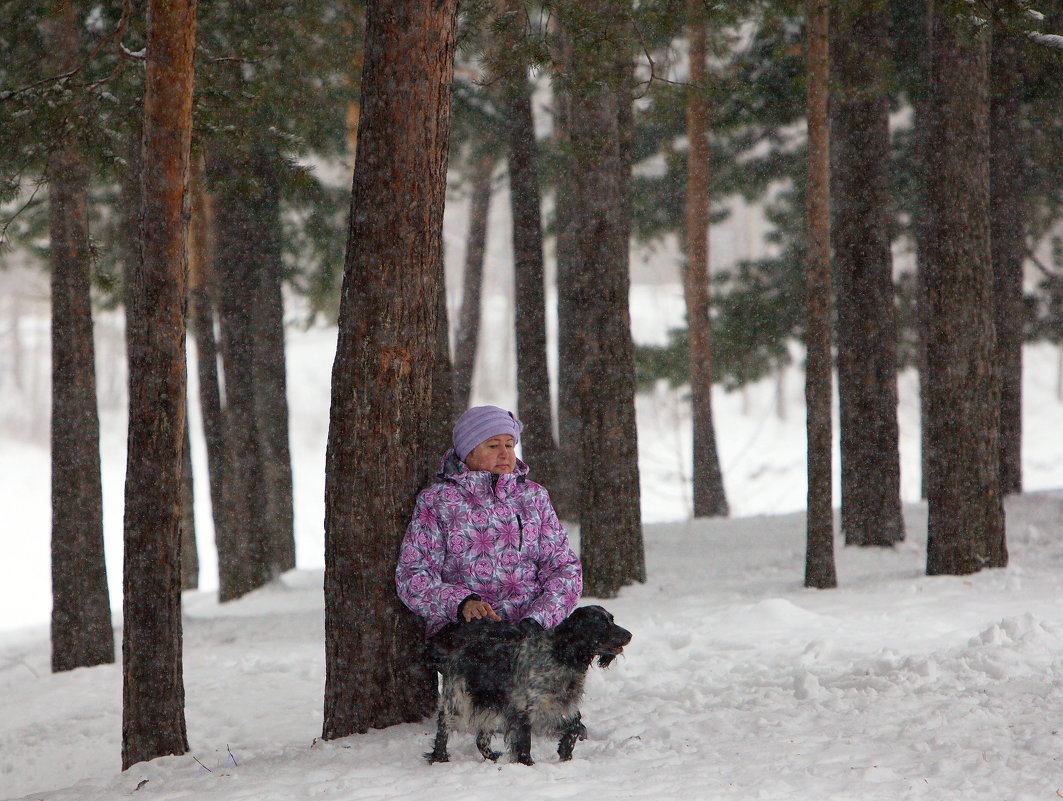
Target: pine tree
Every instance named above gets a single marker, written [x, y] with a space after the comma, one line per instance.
[819, 562]
[153, 722]
[242, 221]
[863, 272]
[965, 530]
[708, 490]
[480, 191]
[382, 380]
[533, 379]
[611, 548]
[1009, 214]
[81, 611]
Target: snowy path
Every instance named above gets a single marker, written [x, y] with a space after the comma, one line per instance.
[739, 684]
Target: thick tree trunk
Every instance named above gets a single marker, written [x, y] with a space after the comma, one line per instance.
[153, 721]
[202, 314]
[966, 515]
[611, 547]
[81, 609]
[533, 379]
[708, 491]
[270, 375]
[1009, 213]
[245, 545]
[472, 283]
[863, 271]
[819, 561]
[383, 374]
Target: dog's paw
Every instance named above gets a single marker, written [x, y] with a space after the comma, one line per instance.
[432, 757]
[581, 732]
[525, 759]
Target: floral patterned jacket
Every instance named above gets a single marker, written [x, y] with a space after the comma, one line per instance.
[495, 536]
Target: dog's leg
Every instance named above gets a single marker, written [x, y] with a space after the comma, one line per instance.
[518, 736]
[483, 744]
[439, 750]
[571, 730]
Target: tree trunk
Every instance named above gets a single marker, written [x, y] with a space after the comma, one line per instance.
[383, 374]
[708, 491]
[1009, 213]
[819, 561]
[202, 314]
[270, 375]
[153, 722]
[965, 530]
[910, 31]
[611, 547]
[245, 546]
[533, 378]
[565, 493]
[863, 271]
[81, 609]
[189, 553]
[472, 284]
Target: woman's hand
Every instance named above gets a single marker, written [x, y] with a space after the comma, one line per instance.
[475, 610]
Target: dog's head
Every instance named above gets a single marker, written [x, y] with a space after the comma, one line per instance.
[590, 632]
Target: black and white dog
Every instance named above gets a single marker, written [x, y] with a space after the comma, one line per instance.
[501, 678]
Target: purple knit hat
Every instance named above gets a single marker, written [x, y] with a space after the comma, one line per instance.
[480, 423]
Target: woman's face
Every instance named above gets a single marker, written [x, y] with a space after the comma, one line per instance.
[495, 455]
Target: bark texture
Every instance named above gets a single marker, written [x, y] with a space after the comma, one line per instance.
[863, 270]
[189, 552]
[153, 722]
[819, 559]
[383, 373]
[966, 515]
[611, 546]
[708, 491]
[271, 376]
[81, 632]
[241, 220]
[1009, 215]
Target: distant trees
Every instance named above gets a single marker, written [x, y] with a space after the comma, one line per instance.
[966, 512]
[153, 722]
[533, 379]
[529, 269]
[480, 191]
[382, 383]
[81, 611]
[246, 254]
[707, 481]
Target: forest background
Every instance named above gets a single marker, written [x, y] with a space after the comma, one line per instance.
[947, 148]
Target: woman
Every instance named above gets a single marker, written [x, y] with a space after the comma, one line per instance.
[484, 541]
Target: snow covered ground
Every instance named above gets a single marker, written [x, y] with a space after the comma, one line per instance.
[739, 682]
